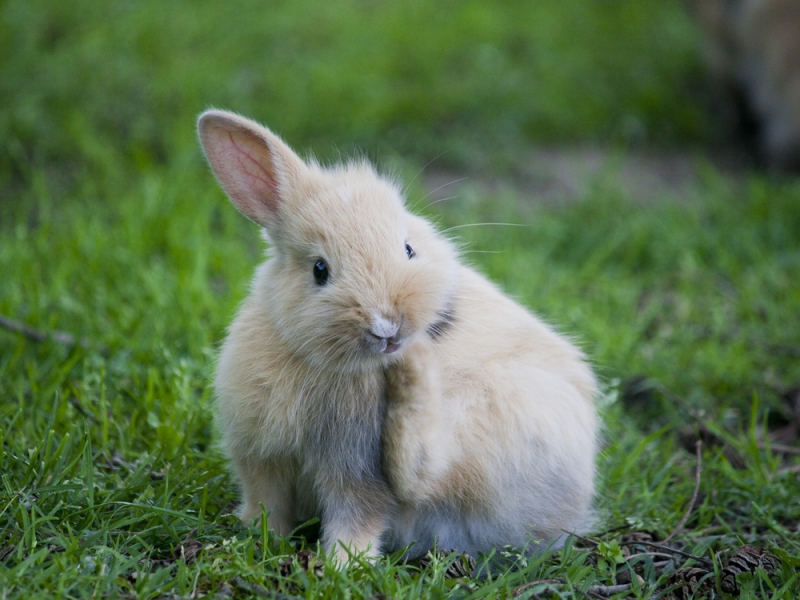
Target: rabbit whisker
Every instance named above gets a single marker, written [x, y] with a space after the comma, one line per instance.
[482, 224]
[444, 185]
[427, 164]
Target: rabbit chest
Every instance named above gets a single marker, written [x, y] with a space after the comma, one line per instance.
[340, 424]
[337, 449]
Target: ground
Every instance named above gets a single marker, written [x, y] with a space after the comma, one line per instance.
[643, 236]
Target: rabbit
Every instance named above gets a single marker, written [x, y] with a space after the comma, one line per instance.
[752, 49]
[373, 380]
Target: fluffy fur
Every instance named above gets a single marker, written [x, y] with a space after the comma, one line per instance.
[753, 49]
[404, 400]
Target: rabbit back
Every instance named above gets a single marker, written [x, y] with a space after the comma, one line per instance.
[516, 432]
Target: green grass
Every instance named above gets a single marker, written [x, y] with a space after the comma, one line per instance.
[111, 228]
[416, 78]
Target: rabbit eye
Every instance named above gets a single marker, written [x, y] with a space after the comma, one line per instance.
[410, 251]
[320, 272]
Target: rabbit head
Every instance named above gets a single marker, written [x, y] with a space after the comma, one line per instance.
[352, 275]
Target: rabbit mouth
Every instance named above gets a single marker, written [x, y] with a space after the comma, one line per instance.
[382, 345]
[391, 346]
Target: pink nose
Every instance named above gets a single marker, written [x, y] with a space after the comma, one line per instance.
[383, 327]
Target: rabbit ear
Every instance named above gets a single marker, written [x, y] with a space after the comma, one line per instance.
[253, 165]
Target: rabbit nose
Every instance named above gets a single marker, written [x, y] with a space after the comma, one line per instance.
[383, 327]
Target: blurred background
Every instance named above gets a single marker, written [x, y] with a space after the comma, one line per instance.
[645, 145]
[91, 83]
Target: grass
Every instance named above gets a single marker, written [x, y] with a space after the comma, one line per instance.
[413, 78]
[112, 229]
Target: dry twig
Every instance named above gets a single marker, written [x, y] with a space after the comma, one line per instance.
[788, 470]
[609, 590]
[36, 335]
[782, 448]
[600, 590]
[651, 554]
[700, 559]
[698, 471]
[522, 588]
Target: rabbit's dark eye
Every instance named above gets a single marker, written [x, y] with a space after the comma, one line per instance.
[410, 251]
[320, 272]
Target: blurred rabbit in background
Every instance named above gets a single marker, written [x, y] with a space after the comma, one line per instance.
[753, 51]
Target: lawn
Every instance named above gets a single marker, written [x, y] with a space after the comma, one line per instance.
[113, 231]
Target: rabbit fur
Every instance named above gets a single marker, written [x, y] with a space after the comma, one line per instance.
[402, 398]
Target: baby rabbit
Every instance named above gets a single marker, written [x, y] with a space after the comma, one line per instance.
[373, 380]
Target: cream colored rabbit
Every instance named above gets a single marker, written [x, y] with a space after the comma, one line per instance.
[374, 381]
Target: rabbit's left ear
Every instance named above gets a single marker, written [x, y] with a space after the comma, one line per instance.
[254, 166]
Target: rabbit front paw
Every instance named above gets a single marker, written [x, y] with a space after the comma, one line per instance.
[412, 380]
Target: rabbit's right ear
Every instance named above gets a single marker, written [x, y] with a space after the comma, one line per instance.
[254, 167]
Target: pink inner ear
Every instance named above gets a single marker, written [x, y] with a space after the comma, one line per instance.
[261, 178]
[246, 168]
